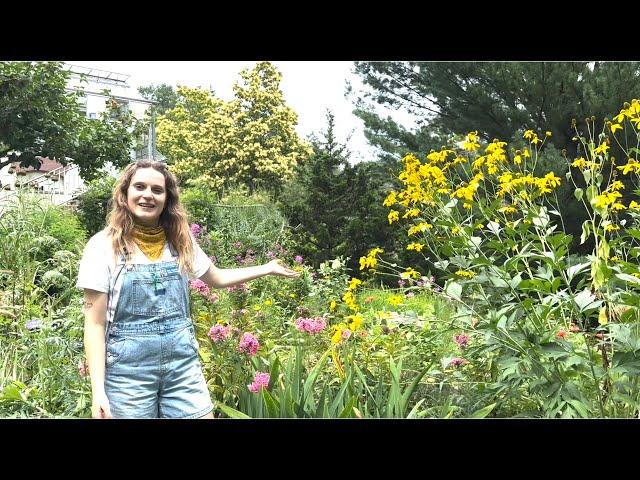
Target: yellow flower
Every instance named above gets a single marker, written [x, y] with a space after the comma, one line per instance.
[615, 127]
[390, 200]
[465, 273]
[528, 134]
[507, 210]
[602, 316]
[395, 300]
[415, 246]
[356, 321]
[634, 205]
[548, 133]
[410, 272]
[268, 303]
[602, 148]
[517, 159]
[552, 180]
[332, 306]
[353, 283]
[617, 185]
[611, 228]
[393, 216]
[467, 206]
[455, 230]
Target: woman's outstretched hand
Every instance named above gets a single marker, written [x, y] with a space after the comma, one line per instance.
[281, 270]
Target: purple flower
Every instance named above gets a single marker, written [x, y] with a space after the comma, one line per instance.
[200, 286]
[260, 380]
[219, 333]
[298, 259]
[249, 344]
[271, 255]
[410, 295]
[83, 368]
[401, 283]
[455, 362]
[33, 324]
[462, 340]
[238, 244]
[311, 325]
[195, 229]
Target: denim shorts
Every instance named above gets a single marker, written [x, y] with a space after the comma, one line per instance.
[153, 371]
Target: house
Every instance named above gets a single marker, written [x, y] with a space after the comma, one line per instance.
[61, 184]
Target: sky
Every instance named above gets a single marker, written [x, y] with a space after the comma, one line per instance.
[310, 88]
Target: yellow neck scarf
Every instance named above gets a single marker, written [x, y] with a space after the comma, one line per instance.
[150, 240]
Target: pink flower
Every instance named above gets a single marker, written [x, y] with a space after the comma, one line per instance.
[410, 295]
[401, 283]
[200, 286]
[462, 340]
[346, 333]
[455, 362]
[260, 380]
[195, 229]
[298, 259]
[248, 344]
[311, 325]
[83, 368]
[219, 333]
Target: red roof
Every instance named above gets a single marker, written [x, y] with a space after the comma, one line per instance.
[46, 166]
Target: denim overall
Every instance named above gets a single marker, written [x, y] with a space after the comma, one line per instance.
[152, 365]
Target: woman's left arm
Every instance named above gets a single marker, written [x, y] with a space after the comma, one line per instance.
[227, 277]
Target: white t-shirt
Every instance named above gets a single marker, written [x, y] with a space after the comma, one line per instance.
[98, 264]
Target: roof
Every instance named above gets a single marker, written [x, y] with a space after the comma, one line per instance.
[47, 165]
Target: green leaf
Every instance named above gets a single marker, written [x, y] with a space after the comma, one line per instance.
[586, 229]
[453, 289]
[273, 408]
[311, 379]
[483, 412]
[628, 278]
[578, 192]
[231, 412]
[348, 409]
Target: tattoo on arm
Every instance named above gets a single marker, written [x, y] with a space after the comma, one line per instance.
[88, 305]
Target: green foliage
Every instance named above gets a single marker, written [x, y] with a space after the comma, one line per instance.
[39, 118]
[335, 209]
[249, 141]
[498, 99]
[94, 204]
[164, 94]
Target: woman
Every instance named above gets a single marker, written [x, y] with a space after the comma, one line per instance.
[135, 276]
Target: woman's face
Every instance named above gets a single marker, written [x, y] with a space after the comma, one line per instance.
[146, 196]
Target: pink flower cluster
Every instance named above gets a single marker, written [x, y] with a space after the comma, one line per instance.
[83, 368]
[346, 333]
[242, 287]
[462, 340]
[203, 289]
[195, 229]
[455, 362]
[248, 344]
[260, 380]
[311, 325]
[219, 333]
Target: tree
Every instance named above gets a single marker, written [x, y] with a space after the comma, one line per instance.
[248, 141]
[39, 118]
[164, 95]
[336, 208]
[316, 201]
[498, 99]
